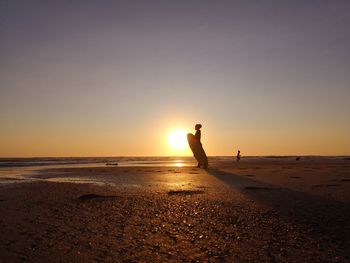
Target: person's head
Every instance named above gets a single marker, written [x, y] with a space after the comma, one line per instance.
[197, 127]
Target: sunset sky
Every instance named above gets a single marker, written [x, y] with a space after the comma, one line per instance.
[112, 78]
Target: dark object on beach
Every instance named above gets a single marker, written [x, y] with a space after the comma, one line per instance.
[111, 163]
[238, 157]
[298, 158]
[96, 197]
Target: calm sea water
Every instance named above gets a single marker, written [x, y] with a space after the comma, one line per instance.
[96, 161]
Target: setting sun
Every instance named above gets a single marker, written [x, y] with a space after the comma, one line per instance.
[177, 139]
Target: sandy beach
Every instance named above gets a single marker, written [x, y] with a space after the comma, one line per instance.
[271, 210]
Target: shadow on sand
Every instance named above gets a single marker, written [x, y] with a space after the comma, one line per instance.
[321, 218]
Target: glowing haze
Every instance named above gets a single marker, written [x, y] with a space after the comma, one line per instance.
[101, 78]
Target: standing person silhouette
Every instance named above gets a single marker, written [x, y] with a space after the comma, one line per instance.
[198, 132]
[238, 157]
[197, 135]
[194, 141]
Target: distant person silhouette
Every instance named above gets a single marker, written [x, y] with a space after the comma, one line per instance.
[197, 135]
[238, 157]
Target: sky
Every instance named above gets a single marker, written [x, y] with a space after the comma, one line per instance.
[115, 78]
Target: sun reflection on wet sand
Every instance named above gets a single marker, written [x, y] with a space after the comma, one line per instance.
[179, 163]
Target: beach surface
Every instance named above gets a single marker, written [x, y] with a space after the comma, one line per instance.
[255, 210]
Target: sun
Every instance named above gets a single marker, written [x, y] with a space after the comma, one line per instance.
[177, 139]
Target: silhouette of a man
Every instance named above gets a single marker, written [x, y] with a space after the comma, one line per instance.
[198, 132]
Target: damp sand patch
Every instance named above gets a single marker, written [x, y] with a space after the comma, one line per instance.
[325, 185]
[185, 192]
[89, 197]
[258, 188]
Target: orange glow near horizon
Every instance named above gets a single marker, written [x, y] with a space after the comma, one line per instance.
[161, 139]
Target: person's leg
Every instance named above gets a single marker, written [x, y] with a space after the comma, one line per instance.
[206, 164]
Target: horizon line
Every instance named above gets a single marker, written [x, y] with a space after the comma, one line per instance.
[174, 156]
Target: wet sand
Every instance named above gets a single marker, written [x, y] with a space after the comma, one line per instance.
[252, 211]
